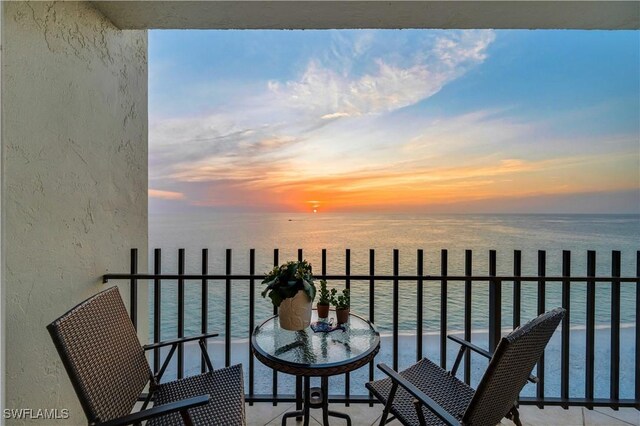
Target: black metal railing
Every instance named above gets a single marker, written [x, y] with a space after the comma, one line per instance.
[495, 317]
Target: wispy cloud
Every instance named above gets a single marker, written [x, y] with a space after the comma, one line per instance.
[350, 129]
[331, 91]
[267, 125]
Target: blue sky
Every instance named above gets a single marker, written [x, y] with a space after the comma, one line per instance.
[395, 120]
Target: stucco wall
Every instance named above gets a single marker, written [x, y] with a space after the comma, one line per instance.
[74, 146]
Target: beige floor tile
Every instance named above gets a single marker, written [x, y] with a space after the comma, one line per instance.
[629, 415]
[550, 416]
[605, 416]
[263, 413]
[361, 414]
[291, 421]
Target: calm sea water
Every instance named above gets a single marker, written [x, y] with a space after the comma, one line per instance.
[407, 233]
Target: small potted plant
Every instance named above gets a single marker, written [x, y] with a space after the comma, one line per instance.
[290, 288]
[342, 303]
[324, 300]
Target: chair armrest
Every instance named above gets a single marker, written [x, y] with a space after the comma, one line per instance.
[419, 395]
[487, 354]
[179, 340]
[471, 346]
[159, 410]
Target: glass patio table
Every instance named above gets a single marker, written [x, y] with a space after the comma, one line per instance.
[309, 354]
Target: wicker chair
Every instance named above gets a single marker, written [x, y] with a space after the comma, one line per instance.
[426, 394]
[108, 369]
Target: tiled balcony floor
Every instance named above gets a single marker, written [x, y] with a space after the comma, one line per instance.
[363, 415]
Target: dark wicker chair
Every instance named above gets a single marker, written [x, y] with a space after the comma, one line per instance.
[425, 394]
[108, 369]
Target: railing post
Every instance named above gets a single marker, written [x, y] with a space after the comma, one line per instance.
[204, 302]
[347, 283]
[157, 311]
[372, 305]
[542, 292]
[443, 308]
[614, 387]
[591, 320]
[324, 262]
[495, 305]
[396, 307]
[180, 312]
[274, 377]
[566, 325]
[637, 393]
[133, 289]
[227, 311]
[419, 304]
[468, 266]
[299, 378]
[252, 310]
[517, 288]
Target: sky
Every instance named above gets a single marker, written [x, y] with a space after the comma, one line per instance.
[403, 121]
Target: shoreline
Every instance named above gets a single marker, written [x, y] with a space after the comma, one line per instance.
[406, 334]
[431, 349]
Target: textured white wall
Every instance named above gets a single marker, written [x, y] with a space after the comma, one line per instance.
[74, 198]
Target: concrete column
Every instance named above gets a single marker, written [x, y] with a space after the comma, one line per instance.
[74, 181]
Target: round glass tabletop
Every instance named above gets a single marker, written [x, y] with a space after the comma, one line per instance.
[306, 352]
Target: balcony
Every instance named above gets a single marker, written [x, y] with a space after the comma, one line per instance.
[590, 372]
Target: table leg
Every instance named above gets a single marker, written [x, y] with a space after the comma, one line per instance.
[307, 397]
[325, 405]
[299, 396]
[290, 414]
[302, 411]
[325, 400]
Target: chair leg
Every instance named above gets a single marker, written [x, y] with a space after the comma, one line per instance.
[387, 406]
[186, 418]
[418, 405]
[514, 416]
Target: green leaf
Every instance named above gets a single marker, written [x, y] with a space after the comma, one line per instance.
[310, 289]
[288, 292]
[271, 282]
[275, 298]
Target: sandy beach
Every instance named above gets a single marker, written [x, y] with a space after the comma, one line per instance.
[407, 355]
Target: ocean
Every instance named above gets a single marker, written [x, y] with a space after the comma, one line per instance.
[310, 232]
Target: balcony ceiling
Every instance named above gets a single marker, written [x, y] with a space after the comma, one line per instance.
[323, 14]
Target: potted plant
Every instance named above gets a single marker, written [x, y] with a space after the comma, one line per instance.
[324, 300]
[290, 288]
[342, 303]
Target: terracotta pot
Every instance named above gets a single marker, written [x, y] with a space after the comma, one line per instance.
[342, 315]
[295, 312]
[323, 311]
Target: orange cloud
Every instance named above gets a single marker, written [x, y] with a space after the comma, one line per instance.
[417, 186]
[165, 195]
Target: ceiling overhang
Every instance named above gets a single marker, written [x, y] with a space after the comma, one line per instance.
[325, 14]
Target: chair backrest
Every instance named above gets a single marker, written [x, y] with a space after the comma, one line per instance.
[102, 355]
[509, 369]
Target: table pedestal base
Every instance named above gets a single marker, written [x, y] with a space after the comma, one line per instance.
[316, 398]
